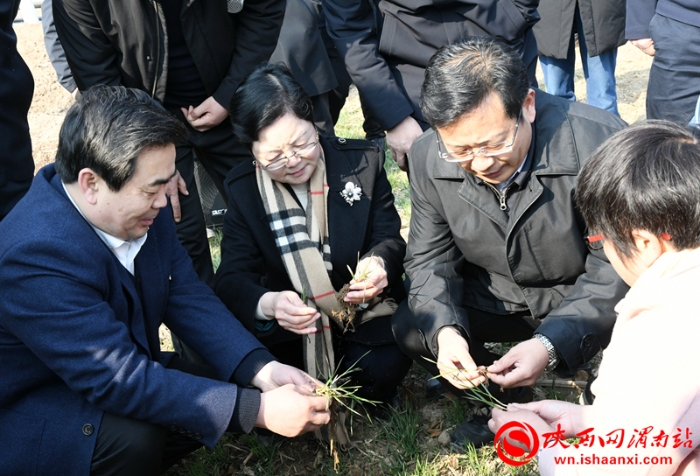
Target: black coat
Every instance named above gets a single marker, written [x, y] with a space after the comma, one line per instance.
[225, 47]
[301, 48]
[465, 252]
[16, 88]
[386, 59]
[603, 26]
[251, 264]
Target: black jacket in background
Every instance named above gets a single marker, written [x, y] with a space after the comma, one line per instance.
[16, 89]
[465, 252]
[603, 26]
[386, 54]
[225, 47]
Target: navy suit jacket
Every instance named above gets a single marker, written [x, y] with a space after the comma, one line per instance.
[77, 338]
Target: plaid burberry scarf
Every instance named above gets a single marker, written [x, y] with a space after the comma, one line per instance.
[302, 240]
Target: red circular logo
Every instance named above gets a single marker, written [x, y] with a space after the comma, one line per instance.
[516, 440]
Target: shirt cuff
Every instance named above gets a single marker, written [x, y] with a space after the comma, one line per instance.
[245, 412]
[259, 315]
[250, 366]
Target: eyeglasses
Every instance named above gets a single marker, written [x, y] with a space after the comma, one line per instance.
[280, 162]
[469, 154]
[594, 242]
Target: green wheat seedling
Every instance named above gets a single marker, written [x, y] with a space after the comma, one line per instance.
[337, 388]
[477, 393]
[360, 275]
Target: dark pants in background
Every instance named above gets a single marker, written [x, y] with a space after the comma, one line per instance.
[218, 152]
[674, 78]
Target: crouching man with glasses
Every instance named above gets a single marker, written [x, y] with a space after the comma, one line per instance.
[497, 250]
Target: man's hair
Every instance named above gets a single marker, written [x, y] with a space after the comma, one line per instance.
[460, 76]
[107, 129]
[268, 93]
[645, 177]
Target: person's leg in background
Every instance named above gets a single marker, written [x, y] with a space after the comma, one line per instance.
[599, 72]
[559, 73]
[191, 230]
[674, 77]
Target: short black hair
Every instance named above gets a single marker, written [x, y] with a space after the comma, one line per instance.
[645, 177]
[107, 129]
[460, 76]
[265, 95]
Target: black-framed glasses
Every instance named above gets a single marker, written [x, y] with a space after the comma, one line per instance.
[594, 242]
[486, 151]
[280, 162]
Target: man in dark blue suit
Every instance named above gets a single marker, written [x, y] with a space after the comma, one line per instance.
[90, 270]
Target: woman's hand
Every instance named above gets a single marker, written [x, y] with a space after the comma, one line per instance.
[371, 280]
[290, 311]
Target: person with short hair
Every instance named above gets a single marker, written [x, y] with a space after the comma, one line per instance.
[308, 216]
[90, 271]
[639, 196]
[496, 249]
[190, 55]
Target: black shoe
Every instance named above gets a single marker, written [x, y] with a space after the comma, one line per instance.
[384, 410]
[474, 430]
[434, 389]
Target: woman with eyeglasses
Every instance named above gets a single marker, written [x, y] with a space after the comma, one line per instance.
[306, 217]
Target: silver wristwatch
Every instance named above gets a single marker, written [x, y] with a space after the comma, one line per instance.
[553, 359]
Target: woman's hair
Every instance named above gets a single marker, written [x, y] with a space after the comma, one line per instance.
[645, 177]
[267, 94]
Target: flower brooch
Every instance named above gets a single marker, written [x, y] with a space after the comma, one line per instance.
[351, 193]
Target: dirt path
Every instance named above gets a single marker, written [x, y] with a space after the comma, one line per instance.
[51, 101]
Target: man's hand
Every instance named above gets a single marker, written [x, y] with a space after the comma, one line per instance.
[205, 116]
[646, 45]
[175, 185]
[454, 361]
[400, 138]
[291, 410]
[521, 366]
[275, 375]
[290, 311]
[543, 416]
[374, 281]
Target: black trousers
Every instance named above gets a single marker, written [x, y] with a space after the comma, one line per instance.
[127, 447]
[674, 77]
[483, 327]
[218, 151]
[12, 192]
